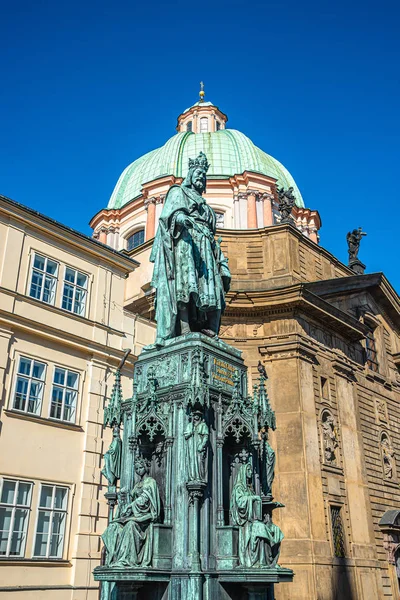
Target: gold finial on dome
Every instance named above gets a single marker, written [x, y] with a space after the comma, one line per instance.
[202, 92]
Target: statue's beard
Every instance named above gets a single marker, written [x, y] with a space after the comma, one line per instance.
[199, 185]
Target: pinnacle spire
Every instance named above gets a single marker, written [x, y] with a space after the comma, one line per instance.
[202, 92]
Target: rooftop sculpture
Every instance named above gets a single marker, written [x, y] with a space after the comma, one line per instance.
[353, 242]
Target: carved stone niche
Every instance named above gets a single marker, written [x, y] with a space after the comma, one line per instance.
[388, 458]
[329, 438]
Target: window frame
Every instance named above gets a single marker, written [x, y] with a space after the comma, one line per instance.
[55, 277]
[371, 351]
[15, 506]
[325, 388]
[17, 374]
[65, 388]
[204, 120]
[219, 212]
[52, 511]
[340, 509]
[75, 287]
[132, 234]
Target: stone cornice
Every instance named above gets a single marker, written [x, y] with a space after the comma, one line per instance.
[289, 300]
[343, 367]
[53, 229]
[375, 283]
[295, 346]
[15, 321]
[291, 230]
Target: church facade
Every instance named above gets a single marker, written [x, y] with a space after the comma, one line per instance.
[327, 337]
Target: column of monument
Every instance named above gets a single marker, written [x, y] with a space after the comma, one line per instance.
[192, 478]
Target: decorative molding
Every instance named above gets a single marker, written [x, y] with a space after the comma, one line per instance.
[344, 369]
[148, 201]
[296, 347]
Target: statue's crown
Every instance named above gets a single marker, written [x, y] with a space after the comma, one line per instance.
[200, 162]
[141, 460]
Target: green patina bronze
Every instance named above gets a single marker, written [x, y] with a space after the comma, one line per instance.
[194, 516]
[259, 542]
[191, 274]
[129, 537]
[112, 458]
[196, 436]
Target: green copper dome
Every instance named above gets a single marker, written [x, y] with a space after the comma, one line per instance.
[229, 152]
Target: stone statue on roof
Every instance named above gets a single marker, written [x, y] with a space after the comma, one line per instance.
[353, 242]
[286, 203]
[191, 274]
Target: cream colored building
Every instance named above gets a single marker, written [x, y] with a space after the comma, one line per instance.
[63, 329]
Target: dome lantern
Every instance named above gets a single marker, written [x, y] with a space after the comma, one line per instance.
[202, 117]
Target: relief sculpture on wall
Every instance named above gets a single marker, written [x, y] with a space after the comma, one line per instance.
[387, 457]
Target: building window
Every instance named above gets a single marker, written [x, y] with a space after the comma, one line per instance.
[43, 279]
[189, 126]
[218, 125]
[370, 352]
[74, 291]
[220, 219]
[203, 125]
[324, 388]
[50, 528]
[135, 239]
[15, 502]
[64, 395]
[29, 385]
[338, 535]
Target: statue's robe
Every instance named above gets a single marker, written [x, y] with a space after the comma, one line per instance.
[129, 538]
[112, 461]
[268, 468]
[195, 448]
[259, 542]
[188, 264]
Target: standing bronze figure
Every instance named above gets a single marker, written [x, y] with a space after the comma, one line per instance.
[191, 274]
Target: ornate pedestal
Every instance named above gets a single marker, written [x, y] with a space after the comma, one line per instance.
[205, 443]
[357, 266]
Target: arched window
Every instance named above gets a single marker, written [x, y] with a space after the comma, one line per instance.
[220, 219]
[189, 126]
[135, 239]
[218, 125]
[203, 125]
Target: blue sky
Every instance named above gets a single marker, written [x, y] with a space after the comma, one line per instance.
[87, 87]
